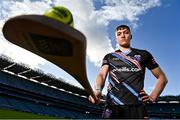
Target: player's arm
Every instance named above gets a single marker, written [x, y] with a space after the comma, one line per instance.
[159, 87]
[160, 84]
[99, 83]
[101, 77]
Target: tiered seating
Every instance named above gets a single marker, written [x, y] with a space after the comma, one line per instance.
[5, 62]
[164, 110]
[25, 95]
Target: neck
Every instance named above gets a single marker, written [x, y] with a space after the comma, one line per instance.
[124, 49]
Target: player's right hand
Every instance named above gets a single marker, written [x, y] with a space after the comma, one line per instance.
[97, 99]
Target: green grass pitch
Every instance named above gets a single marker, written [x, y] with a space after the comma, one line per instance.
[12, 114]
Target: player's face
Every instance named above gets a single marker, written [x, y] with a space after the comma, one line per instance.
[123, 37]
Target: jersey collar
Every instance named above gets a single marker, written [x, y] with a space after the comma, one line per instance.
[125, 53]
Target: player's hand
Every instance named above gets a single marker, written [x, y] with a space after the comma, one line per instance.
[97, 99]
[93, 100]
[146, 98]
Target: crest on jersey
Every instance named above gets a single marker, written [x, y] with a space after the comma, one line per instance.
[137, 57]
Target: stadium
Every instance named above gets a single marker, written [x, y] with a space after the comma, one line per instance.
[25, 90]
[27, 93]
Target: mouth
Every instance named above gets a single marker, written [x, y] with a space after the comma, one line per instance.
[123, 40]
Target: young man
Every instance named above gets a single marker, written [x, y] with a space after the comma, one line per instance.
[126, 68]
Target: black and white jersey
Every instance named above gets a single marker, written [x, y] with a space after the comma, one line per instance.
[126, 75]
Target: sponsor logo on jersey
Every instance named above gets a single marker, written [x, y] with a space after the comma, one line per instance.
[115, 59]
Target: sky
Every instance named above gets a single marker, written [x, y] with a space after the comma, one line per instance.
[154, 23]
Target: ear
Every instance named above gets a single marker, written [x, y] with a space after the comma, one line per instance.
[131, 37]
[116, 37]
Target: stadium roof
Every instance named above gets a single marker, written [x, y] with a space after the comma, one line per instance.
[8, 65]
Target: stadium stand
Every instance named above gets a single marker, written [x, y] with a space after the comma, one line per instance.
[20, 92]
[24, 89]
[164, 110]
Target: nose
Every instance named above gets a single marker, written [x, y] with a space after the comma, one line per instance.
[122, 35]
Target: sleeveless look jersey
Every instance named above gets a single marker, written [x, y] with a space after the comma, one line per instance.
[126, 75]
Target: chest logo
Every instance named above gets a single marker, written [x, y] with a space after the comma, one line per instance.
[137, 57]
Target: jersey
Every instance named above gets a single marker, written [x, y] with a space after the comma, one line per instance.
[126, 75]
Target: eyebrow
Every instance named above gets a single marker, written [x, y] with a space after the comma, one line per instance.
[125, 30]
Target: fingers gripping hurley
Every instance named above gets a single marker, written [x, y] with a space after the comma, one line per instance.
[52, 40]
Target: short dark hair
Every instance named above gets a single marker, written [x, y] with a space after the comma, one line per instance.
[120, 27]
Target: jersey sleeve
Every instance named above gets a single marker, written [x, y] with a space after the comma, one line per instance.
[105, 61]
[151, 62]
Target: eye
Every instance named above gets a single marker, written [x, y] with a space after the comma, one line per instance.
[126, 32]
[118, 34]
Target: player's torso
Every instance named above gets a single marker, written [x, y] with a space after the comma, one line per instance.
[126, 77]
